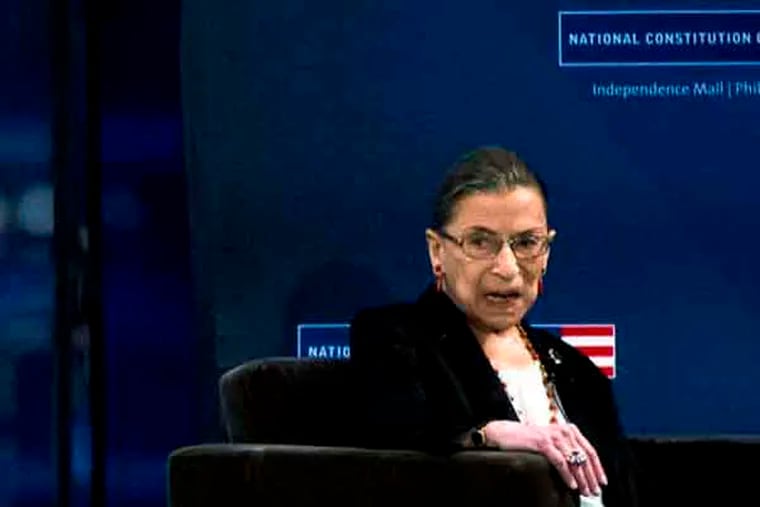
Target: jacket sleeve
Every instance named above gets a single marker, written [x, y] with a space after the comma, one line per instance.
[395, 406]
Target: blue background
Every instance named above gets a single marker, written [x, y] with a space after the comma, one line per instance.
[315, 138]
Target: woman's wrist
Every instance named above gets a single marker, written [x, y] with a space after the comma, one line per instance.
[477, 437]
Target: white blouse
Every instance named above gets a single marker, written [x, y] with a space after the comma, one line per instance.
[527, 393]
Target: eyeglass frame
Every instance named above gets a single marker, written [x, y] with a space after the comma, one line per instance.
[505, 240]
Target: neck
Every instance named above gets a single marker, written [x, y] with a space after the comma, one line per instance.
[487, 335]
[506, 348]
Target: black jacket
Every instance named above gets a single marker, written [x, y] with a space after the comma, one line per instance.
[428, 384]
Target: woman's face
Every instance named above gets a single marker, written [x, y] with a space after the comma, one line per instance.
[496, 293]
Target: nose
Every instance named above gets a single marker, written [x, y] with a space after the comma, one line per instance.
[505, 263]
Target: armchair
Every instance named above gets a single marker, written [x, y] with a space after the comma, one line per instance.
[291, 441]
[291, 437]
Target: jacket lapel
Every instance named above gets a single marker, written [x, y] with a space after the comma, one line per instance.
[557, 370]
[461, 360]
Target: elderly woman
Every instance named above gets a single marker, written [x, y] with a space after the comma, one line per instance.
[461, 368]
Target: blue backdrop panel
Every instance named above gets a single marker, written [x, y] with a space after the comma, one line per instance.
[316, 134]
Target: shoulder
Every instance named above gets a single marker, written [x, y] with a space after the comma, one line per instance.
[381, 315]
[382, 319]
[381, 324]
[383, 340]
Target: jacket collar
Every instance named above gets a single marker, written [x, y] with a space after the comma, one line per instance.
[445, 321]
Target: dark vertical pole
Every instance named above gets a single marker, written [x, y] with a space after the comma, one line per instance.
[62, 161]
[93, 286]
[76, 167]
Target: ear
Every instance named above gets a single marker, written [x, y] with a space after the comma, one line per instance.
[545, 263]
[435, 248]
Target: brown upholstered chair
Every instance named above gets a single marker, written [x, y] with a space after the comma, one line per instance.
[291, 442]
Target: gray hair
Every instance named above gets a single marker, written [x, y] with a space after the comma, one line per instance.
[485, 169]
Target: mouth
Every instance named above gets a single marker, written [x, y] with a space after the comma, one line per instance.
[504, 296]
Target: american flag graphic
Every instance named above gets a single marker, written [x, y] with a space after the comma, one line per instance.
[596, 341]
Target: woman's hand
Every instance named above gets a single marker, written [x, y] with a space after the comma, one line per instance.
[562, 444]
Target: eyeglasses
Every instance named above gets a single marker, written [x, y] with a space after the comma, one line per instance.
[485, 245]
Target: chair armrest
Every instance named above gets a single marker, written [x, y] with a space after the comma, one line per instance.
[249, 474]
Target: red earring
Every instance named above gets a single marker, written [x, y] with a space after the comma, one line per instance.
[438, 272]
[540, 285]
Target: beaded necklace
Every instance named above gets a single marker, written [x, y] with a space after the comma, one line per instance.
[548, 387]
